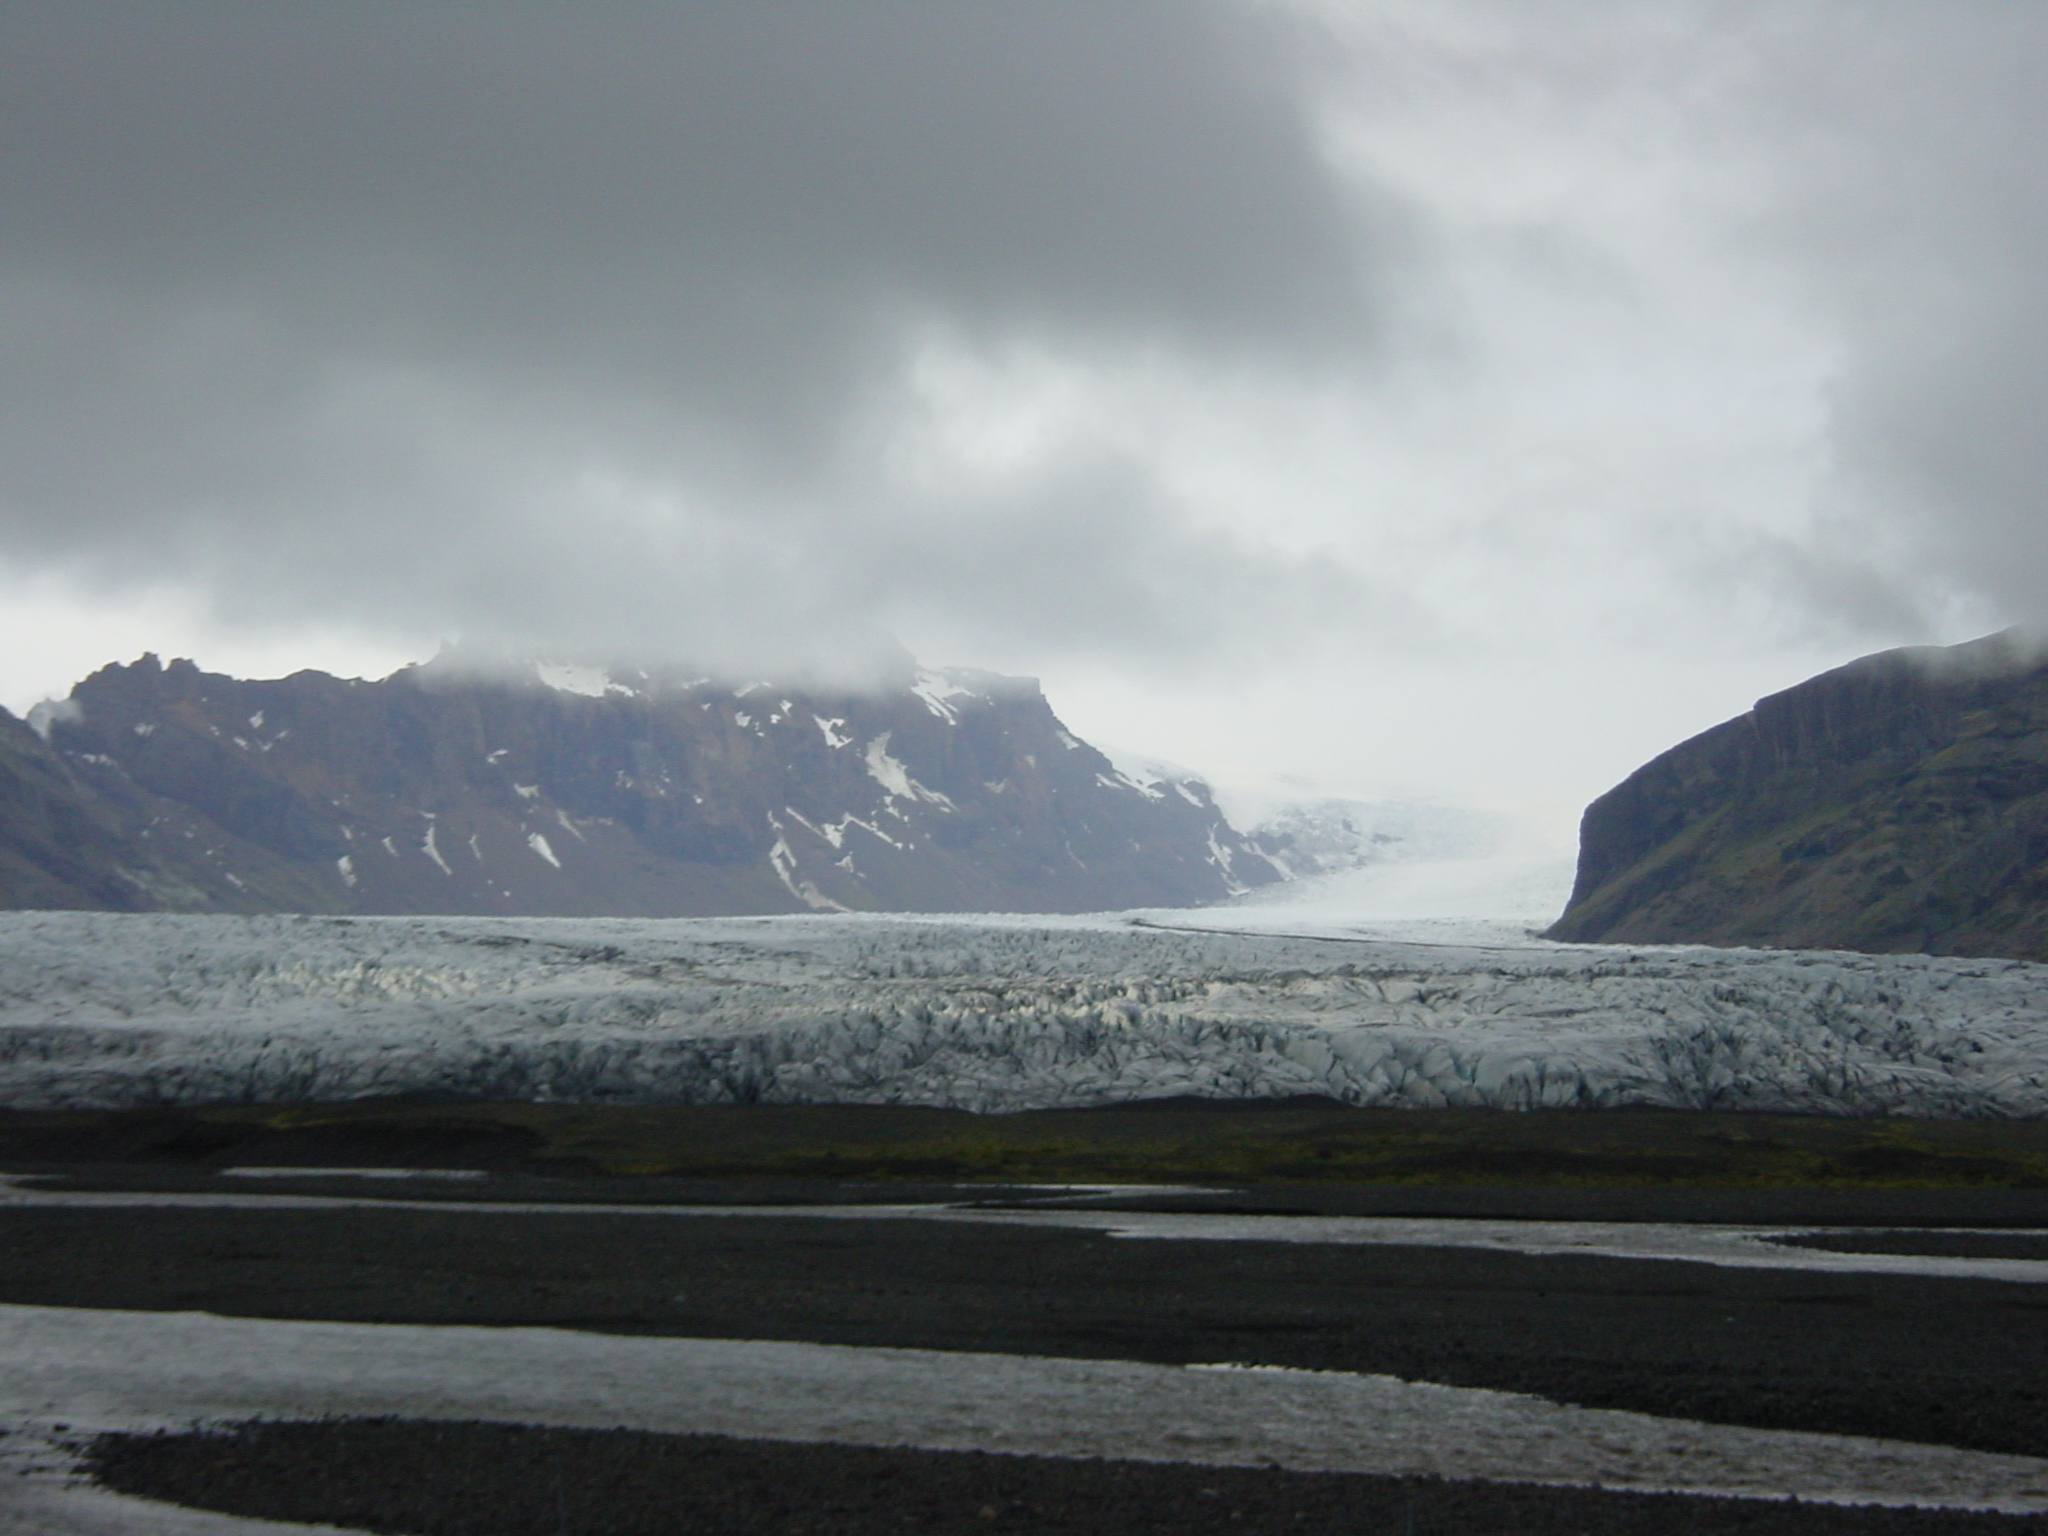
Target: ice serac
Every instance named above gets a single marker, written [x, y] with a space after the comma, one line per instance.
[559, 789]
[985, 1013]
[1897, 804]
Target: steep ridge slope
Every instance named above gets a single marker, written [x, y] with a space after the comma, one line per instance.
[564, 790]
[1896, 804]
[61, 845]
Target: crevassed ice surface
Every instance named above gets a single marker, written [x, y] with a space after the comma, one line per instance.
[991, 1013]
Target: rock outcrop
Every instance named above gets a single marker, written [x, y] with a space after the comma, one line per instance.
[1897, 804]
[575, 791]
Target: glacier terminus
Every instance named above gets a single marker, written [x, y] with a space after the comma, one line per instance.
[991, 1013]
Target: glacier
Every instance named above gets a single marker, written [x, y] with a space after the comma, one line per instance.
[992, 1013]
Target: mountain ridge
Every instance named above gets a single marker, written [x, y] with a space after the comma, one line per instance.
[1898, 803]
[550, 788]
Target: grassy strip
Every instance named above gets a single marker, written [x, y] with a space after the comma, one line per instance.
[1174, 1141]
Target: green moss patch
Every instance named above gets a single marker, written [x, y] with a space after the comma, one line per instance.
[1192, 1141]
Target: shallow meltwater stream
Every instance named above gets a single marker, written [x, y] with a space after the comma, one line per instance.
[111, 1368]
[107, 1370]
[1989, 1254]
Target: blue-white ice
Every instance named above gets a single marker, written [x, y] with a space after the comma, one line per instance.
[995, 1013]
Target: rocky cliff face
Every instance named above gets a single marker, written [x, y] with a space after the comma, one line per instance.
[574, 791]
[1896, 804]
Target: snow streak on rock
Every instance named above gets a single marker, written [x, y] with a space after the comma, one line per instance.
[986, 1014]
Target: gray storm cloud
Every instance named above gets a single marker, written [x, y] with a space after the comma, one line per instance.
[600, 328]
[569, 324]
[1928, 221]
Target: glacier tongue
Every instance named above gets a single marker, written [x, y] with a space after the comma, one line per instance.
[987, 1013]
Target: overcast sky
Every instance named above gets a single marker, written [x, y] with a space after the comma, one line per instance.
[1463, 400]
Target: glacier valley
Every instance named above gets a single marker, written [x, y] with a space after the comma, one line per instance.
[993, 1013]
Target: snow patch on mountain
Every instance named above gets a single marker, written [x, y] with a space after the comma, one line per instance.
[834, 832]
[429, 848]
[783, 860]
[1155, 778]
[895, 779]
[939, 690]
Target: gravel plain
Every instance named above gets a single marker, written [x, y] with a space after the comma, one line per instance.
[479, 1479]
[765, 1263]
[1930, 1360]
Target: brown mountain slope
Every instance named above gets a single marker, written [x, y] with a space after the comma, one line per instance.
[571, 791]
[1899, 803]
[62, 847]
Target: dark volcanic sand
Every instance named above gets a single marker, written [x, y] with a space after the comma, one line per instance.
[1838, 1206]
[1957, 1362]
[471, 1479]
[1955, 1245]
